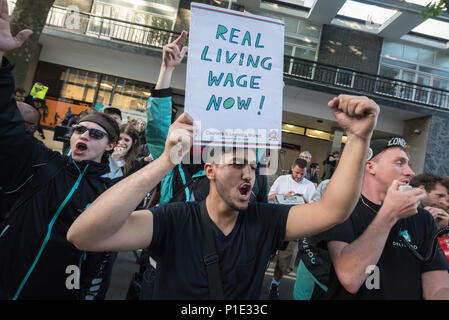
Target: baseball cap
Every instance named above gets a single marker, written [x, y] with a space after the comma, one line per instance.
[379, 145]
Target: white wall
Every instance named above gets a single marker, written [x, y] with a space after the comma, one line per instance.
[105, 60]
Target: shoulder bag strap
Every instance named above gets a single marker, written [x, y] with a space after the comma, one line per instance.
[211, 259]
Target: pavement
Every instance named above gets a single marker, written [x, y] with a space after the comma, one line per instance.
[125, 266]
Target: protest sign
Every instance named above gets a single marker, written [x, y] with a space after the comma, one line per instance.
[234, 78]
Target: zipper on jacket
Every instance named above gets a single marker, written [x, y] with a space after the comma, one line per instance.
[4, 231]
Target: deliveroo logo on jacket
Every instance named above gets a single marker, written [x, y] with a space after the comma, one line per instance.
[405, 235]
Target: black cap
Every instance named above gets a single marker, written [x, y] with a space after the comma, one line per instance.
[379, 145]
[113, 110]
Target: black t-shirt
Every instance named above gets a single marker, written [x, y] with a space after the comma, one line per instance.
[177, 246]
[399, 270]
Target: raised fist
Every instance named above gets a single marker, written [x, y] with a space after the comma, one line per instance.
[356, 114]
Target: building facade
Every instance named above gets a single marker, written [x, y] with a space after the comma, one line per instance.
[107, 53]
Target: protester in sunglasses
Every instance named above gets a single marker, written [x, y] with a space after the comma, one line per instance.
[48, 191]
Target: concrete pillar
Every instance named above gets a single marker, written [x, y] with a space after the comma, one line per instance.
[336, 143]
[416, 132]
[437, 151]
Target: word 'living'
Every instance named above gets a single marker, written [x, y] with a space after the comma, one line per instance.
[230, 80]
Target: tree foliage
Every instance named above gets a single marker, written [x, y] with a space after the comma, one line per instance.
[434, 9]
[28, 14]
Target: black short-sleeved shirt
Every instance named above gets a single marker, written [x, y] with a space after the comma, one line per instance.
[177, 246]
[399, 270]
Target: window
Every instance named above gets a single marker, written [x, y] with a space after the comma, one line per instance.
[130, 95]
[136, 19]
[79, 85]
[442, 59]
[425, 67]
[393, 49]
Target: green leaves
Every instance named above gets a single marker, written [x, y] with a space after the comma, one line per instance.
[434, 9]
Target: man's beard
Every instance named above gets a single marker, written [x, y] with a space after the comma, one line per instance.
[221, 192]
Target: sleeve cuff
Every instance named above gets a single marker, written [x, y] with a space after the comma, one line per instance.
[162, 93]
[6, 65]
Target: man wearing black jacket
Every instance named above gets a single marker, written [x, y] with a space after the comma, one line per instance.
[48, 192]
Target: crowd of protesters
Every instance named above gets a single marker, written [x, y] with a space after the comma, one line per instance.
[207, 230]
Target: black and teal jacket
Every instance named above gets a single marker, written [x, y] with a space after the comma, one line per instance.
[184, 180]
[49, 192]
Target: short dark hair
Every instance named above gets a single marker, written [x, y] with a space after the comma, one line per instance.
[446, 183]
[112, 110]
[300, 163]
[428, 180]
[314, 165]
[20, 90]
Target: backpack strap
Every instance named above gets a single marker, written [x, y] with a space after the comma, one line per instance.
[186, 184]
[211, 258]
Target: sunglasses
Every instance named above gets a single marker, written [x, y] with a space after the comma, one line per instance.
[93, 133]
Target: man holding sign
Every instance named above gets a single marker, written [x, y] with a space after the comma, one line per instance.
[245, 235]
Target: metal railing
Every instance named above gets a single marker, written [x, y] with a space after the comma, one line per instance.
[365, 83]
[108, 28]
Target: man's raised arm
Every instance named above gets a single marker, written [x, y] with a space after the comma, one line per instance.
[109, 223]
[358, 116]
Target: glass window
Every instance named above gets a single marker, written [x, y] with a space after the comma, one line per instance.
[442, 59]
[389, 72]
[291, 25]
[305, 54]
[399, 63]
[434, 71]
[131, 95]
[309, 30]
[293, 129]
[308, 44]
[441, 83]
[79, 85]
[288, 50]
[105, 91]
[426, 56]
[411, 53]
[394, 49]
[408, 76]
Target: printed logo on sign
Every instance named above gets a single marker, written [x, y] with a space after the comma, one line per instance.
[274, 135]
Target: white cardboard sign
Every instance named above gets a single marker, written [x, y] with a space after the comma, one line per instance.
[234, 78]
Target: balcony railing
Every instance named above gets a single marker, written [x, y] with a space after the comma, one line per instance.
[109, 28]
[365, 83]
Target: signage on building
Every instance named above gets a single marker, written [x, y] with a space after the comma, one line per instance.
[234, 78]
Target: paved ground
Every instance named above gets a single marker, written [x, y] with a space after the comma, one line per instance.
[126, 265]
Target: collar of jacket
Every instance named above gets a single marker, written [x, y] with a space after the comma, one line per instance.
[95, 169]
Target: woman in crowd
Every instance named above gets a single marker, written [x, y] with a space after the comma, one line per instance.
[126, 151]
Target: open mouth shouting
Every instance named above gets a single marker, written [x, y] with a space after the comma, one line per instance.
[244, 191]
[80, 149]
